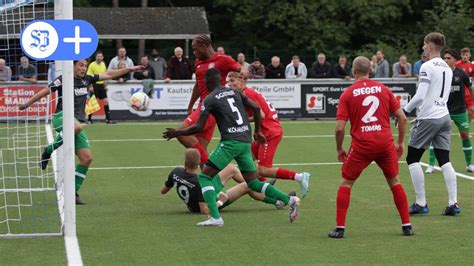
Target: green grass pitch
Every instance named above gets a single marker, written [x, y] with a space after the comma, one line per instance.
[127, 222]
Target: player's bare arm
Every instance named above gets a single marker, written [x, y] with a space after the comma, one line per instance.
[258, 136]
[203, 208]
[171, 133]
[119, 72]
[340, 133]
[194, 98]
[402, 123]
[42, 93]
[164, 189]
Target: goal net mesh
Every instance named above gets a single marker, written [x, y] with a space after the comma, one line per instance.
[31, 198]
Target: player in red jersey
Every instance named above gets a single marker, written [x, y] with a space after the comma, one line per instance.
[272, 131]
[368, 104]
[206, 58]
[468, 67]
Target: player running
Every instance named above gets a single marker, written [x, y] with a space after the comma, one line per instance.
[368, 104]
[189, 190]
[457, 109]
[227, 106]
[433, 125]
[82, 145]
[273, 133]
[206, 59]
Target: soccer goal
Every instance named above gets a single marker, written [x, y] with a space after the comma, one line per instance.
[34, 202]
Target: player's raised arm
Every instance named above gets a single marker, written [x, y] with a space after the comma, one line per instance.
[402, 123]
[171, 133]
[119, 72]
[42, 93]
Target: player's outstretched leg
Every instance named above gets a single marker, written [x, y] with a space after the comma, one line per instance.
[48, 150]
[281, 173]
[209, 195]
[270, 191]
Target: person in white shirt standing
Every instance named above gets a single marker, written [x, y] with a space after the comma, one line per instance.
[432, 125]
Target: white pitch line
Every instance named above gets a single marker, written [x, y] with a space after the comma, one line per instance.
[458, 174]
[277, 164]
[215, 138]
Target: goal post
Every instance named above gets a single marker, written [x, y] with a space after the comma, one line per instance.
[36, 202]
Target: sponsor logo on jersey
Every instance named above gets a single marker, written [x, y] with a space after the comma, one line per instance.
[224, 94]
[80, 91]
[238, 129]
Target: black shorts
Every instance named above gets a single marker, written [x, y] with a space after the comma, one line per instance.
[99, 91]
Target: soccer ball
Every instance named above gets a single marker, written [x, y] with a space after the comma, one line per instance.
[139, 101]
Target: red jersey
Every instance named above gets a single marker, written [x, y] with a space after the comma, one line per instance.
[223, 63]
[468, 67]
[270, 124]
[368, 104]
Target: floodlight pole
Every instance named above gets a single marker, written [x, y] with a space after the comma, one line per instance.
[68, 136]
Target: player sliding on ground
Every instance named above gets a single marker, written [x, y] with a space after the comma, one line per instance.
[189, 190]
[273, 133]
[227, 106]
[368, 104]
[206, 58]
[82, 145]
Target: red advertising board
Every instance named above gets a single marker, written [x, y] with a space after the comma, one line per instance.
[13, 96]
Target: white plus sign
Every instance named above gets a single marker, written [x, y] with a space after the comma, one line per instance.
[77, 40]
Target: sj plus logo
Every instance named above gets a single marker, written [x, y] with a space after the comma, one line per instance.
[59, 40]
[315, 103]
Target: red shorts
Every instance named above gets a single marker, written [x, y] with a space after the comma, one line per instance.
[356, 161]
[264, 153]
[208, 130]
[467, 98]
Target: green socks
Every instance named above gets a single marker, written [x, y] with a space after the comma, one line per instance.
[209, 194]
[58, 141]
[269, 200]
[467, 149]
[432, 156]
[268, 190]
[81, 172]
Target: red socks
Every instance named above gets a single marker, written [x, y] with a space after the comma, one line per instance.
[285, 174]
[342, 204]
[400, 199]
[202, 152]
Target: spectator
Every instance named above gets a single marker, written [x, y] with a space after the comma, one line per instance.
[241, 61]
[256, 69]
[296, 69]
[465, 62]
[220, 50]
[179, 67]
[27, 72]
[382, 66]
[342, 70]
[5, 71]
[275, 70]
[321, 69]
[122, 64]
[373, 66]
[402, 69]
[121, 56]
[148, 71]
[417, 65]
[158, 64]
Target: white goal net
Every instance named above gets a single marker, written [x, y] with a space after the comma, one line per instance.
[31, 198]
